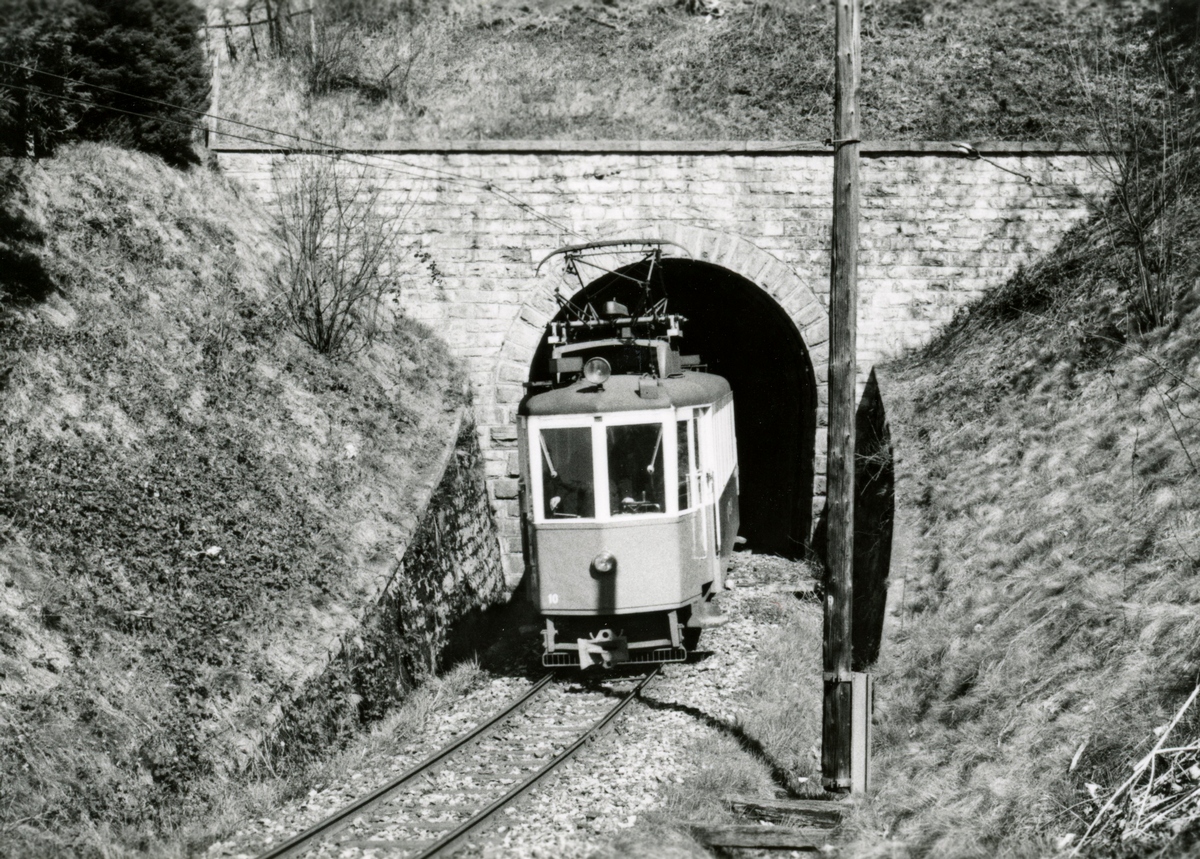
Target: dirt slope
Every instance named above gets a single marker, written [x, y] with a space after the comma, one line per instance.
[192, 503]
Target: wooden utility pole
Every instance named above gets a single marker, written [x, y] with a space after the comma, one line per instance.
[843, 311]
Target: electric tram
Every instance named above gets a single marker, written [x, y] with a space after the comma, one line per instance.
[629, 481]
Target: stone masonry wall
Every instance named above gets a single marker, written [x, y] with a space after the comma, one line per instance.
[937, 229]
[450, 570]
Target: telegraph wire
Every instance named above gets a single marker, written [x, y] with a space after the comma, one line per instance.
[465, 181]
[454, 178]
[479, 184]
[193, 126]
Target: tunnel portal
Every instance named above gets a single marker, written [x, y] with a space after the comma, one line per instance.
[741, 333]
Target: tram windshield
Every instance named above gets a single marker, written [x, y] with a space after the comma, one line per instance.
[568, 485]
[635, 469]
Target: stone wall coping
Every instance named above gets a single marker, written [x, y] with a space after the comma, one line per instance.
[759, 148]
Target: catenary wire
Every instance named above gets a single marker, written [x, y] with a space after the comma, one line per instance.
[480, 184]
[404, 169]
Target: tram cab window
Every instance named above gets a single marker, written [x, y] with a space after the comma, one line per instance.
[636, 481]
[568, 485]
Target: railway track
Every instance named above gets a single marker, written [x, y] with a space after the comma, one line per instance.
[445, 802]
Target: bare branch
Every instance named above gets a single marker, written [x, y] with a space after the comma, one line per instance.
[1150, 160]
[341, 252]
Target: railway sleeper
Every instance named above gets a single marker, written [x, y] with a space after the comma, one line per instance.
[469, 796]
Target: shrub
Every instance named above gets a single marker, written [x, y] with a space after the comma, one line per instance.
[376, 13]
[1144, 112]
[340, 252]
[334, 62]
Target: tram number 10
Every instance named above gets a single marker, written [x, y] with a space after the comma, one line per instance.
[552, 599]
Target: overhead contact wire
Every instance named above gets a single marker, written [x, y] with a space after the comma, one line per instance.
[403, 169]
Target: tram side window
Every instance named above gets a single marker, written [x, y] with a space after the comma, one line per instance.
[684, 467]
[697, 465]
[567, 481]
[635, 469]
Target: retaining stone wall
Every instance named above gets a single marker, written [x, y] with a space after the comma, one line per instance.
[937, 230]
[450, 573]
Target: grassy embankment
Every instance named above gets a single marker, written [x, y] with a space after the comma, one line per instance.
[192, 502]
[647, 70]
[1051, 618]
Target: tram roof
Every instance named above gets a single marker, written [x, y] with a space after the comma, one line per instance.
[620, 394]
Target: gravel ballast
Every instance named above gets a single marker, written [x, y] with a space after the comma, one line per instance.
[635, 771]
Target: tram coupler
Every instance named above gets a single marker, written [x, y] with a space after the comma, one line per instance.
[603, 648]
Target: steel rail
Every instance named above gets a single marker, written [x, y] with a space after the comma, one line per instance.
[453, 839]
[342, 818]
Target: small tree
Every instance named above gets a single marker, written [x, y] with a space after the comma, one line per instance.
[341, 256]
[1147, 130]
[151, 49]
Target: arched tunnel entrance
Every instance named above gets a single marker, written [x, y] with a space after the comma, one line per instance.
[741, 333]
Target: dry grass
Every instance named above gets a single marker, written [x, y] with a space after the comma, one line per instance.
[192, 503]
[218, 806]
[1050, 462]
[466, 78]
[646, 70]
[770, 748]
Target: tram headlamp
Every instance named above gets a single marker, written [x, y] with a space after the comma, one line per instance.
[597, 371]
[605, 562]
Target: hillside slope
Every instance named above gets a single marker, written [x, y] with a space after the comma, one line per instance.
[193, 504]
[646, 69]
[1050, 618]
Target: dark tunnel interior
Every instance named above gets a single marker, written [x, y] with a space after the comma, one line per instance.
[741, 333]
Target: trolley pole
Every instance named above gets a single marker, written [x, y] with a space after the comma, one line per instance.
[843, 310]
